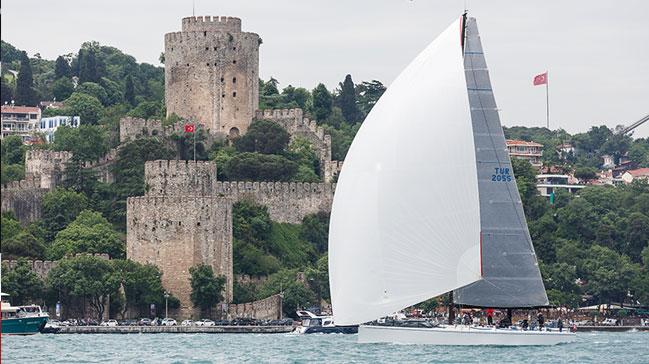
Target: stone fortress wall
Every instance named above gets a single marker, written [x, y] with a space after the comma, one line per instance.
[212, 73]
[298, 125]
[269, 308]
[41, 267]
[24, 198]
[185, 219]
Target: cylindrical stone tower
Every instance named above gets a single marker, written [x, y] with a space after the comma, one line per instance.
[212, 73]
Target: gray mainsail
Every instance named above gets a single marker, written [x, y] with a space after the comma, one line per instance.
[510, 271]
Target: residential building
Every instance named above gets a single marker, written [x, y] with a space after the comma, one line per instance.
[19, 120]
[635, 175]
[521, 149]
[546, 184]
[48, 126]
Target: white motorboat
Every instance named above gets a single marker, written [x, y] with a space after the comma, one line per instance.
[427, 203]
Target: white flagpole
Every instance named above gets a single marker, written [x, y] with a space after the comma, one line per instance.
[547, 99]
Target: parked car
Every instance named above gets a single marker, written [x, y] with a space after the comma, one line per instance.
[584, 323]
[609, 322]
[110, 323]
[145, 322]
[168, 322]
[205, 322]
[187, 323]
[222, 323]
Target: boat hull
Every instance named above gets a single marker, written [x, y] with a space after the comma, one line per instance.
[330, 330]
[23, 325]
[460, 335]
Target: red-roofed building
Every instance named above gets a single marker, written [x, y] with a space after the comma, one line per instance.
[521, 149]
[19, 120]
[635, 174]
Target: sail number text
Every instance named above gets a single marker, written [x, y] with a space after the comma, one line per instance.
[501, 175]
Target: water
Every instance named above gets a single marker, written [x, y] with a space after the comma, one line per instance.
[599, 347]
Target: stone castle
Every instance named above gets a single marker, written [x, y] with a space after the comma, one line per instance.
[185, 219]
[185, 216]
[212, 73]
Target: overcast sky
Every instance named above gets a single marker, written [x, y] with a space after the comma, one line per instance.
[597, 52]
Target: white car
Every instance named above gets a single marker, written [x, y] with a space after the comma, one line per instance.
[609, 322]
[110, 323]
[187, 323]
[168, 322]
[204, 322]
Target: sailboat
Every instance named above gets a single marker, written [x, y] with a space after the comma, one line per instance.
[426, 203]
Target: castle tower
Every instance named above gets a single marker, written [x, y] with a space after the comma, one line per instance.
[212, 73]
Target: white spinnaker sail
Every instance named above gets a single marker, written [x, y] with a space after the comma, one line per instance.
[405, 222]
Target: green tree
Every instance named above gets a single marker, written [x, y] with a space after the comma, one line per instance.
[322, 103]
[251, 223]
[22, 284]
[114, 94]
[129, 90]
[318, 278]
[207, 289]
[301, 151]
[148, 110]
[62, 68]
[270, 87]
[94, 89]
[296, 294]
[25, 93]
[13, 150]
[62, 88]
[296, 97]
[637, 236]
[88, 66]
[559, 279]
[87, 142]
[85, 277]
[368, 93]
[88, 107]
[22, 244]
[265, 137]
[60, 207]
[88, 233]
[346, 100]
[609, 275]
[586, 173]
[6, 91]
[142, 285]
[315, 230]
[260, 167]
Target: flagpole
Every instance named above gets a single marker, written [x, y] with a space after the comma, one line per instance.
[547, 103]
[195, 130]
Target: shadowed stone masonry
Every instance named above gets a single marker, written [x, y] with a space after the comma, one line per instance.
[185, 219]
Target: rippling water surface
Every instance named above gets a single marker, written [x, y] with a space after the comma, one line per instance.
[289, 348]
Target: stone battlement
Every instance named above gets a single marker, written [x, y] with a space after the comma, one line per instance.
[48, 155]
[291, 119]
[108, 158]
[131, 128]
[43, 267]
[24, 184]
[211, 24]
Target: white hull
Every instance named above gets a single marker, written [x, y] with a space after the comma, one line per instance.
[460, 335]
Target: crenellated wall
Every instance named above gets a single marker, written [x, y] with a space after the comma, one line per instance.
[185, 219]
[267, 309]
[41, 267]
[286, 201]
[48, 165]
[24, 198]
[176, 233]
[297, 125]
[212, 74]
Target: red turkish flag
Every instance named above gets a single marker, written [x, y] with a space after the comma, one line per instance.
[541, 79]
[189, 128]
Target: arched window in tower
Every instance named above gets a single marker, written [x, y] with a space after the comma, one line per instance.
[205, 34]
[234, 48]
[234, 80]
[234, 61]
[234, 94]
[222, 79]
[234, 132]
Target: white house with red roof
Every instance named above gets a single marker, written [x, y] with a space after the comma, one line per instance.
[521, 149]
[635, 174]
[19, 120]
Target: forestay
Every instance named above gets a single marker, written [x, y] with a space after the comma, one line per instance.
[405, 222]
[511, 276]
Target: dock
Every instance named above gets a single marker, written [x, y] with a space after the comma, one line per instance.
[175, 329]
[612, 328]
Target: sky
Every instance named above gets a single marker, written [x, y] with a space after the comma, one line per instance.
[596, 52]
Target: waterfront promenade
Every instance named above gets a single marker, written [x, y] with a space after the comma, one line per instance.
[175, 329]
